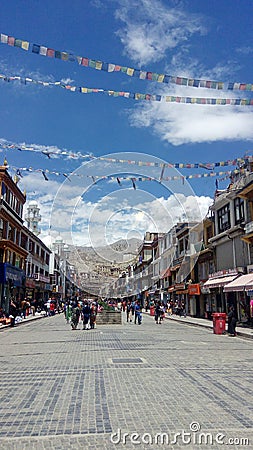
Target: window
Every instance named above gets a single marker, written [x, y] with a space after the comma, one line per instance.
[17, 262]
[224, 218]
[31, 246]
[11, 233]
[23, 242]
[147, 254]
[239, 210]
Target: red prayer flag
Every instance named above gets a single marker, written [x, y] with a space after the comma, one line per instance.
[50, 52]
[85, 61]
[11, 40]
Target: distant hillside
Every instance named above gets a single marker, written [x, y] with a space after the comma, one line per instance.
[102, 265]
[118, 252]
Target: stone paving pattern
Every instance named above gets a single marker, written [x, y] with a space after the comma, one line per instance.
[64, 389]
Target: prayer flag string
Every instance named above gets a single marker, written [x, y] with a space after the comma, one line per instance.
[111, 67]
[51, 151]
[46, 172]
[133, 95]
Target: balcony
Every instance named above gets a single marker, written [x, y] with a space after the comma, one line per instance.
[248, 228]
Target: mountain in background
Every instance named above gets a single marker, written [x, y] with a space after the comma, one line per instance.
[102, 265]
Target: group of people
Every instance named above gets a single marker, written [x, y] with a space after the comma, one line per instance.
[133, 312]
[20, 309]
[85, 311]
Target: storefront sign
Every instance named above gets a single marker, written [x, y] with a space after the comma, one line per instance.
[39, 277]
[30, 283]
[12, 274]
[194, 289]
[223, 273]
[180, 287]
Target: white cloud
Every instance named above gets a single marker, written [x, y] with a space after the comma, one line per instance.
[81, 221]
[151, 28]
[110, 222]
[244, 50]
[67, 80]
[186, 123]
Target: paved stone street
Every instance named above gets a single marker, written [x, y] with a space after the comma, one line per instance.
[63, 389]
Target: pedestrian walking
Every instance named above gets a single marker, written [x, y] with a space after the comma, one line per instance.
[75, 315]
[33, 306]
[137, 313]
[132, 309]
[93, 315]
[67, 311]
[24, 307]
[13, 312]
[86, 313]
[231, 322]
[159, 312]
[52, 308]
[129, 311]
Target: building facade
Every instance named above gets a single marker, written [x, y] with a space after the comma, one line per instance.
[13, 241]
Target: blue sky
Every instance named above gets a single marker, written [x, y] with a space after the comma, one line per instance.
[192, 39]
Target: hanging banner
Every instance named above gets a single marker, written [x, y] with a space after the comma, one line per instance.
[134, 95]
[56, 152]
[110, 67]
[118, 179]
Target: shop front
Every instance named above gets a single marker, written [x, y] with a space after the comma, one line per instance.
[216, 283]
[181, 297]
[30, 286]
[242, 290]
[12, 281]
[207, 300]
[196, 309]
[41, 293]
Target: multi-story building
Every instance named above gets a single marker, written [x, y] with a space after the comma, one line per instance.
[13, 241]
[202, 265]
[37, 282]
[232, 244]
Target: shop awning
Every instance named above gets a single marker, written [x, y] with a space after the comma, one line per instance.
[170, 289]
[242, 283]
[166, 273]
[175, 267]
[219, 281]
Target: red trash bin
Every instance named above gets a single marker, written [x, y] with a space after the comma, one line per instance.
[152, 310]
[219, 323]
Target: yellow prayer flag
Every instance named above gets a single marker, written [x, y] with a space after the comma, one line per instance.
[84, 90]
[130, 71]
[98, 65]
[160, 78]
[25, 45]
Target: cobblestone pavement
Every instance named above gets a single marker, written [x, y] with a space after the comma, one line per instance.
[64, 389]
